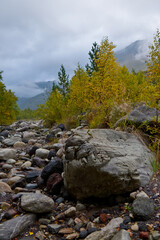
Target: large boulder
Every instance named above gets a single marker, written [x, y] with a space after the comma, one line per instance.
[140, 115]
[104, 162]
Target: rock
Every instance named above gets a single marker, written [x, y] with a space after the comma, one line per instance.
[32, 176]
[54, 228]
[140, 115]
[80, 207]
[36, 203]
[73, 236]
[155, 235]
[116, 161]
[10, 213]
[143, 208]
[122, 235]
[31, 151]
[54, 183]
[70, 212]
[4, 133]
[13, 180]
[135, 227]
[66, 231]
[3, 175]
[27, 135]
[11, 161]
[5, 206]
[54, 166]
[7, 166]
[142, 194]
[144, 235]
[7, 153]
[40, 235]
[83, 234]
[31, 186]
[52, 154]
[26, 165]
[12, 228]
[19, 145]
[106, 233]
[103, 217]
[39, 162]
[4, 187]
[42, 153]
[11, 141]
[61, 126]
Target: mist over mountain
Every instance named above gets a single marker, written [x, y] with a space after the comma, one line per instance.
[133, 57]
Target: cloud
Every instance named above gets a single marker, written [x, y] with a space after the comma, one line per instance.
[38, 36]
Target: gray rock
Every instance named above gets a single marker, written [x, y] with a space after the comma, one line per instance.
[122, 235]
[143, 208]
[27, 135]
[12, 228]
[7, 153]
[54, 228]
[42, 153]
[103, 162]
[140, 115]
[36, 203]
[11, 141]
[107, 232]
[7, 166]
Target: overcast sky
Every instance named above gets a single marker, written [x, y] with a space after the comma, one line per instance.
[37, 36]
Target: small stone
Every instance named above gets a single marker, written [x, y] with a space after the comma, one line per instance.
[70, 212]
[71, 222]
[122, 235]
[42, 153]
[80, 207]
[5, 206]
[13, 180]
[26, 165]
[83, 234]
[3, 175]
[19, 145]
[142, 194]
[133, 195]
[143, 208]
[155, 235]
[10, 213]
[7, 153]
[7, 166]
[144, 235]
[4, 187]
[103, 217]
[40, 235]
[66, 231]
[10, 161]
[31, 186]
[135, 227]
[73, 236]
[44, 221]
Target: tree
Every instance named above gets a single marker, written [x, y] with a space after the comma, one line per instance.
[153, 67]
[8, 106]
[93, 56]
[63, 81]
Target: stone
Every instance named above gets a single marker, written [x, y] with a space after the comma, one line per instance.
[143, 208]
[80, 207]
[13, 180]
[32, 176]
[116, 161]
[61, 126]
[54, 166]
[103, 217]
[54, 228]
[7, 153]
[39, 162]
[54, 183]
[11, 141]
[155, 235]
[31, 151]
[144, 235]
[5, 206]
[27, 135]
[31, 186]
[140, 115]
[19, 145]
[42, 153]
[66, 231]
[135, 227]
[60, 152]
[70, 212]
[107, 232]
[122, 235]
[7, 166]
[40, 235]
[83, 234]
[3, 175]
[52, 154]
[10, 213]
[12, 228]
[36, 203]
[4, 187]
[26, 165]
[73, 236]
[4, 133]
[142, 194]
[11, 161]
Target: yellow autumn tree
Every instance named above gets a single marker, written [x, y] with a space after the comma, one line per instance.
[8, 106]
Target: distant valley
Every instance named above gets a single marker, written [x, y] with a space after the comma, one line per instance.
[132, 56]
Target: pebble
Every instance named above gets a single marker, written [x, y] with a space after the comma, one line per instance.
[71, 212]
[144, 235]
[135, 227]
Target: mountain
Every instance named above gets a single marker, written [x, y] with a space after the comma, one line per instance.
[134, 55]
[34, 101]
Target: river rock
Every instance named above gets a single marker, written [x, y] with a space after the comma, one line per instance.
[140, 115]
[42, 153]
[54, 166]
[103, 162]
[143, 208]
[4, 187]
[12, 228]
[27, 135]
[36, 203]
[19, 145]
[7, 153]
[106, 233]
[122, 235]
[11, 141]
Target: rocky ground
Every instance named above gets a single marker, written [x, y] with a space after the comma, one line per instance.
[35, 205]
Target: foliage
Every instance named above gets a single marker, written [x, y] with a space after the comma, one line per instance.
[153, 68]
[93, 56]
[27, 114]
[8, 106]
[63, 81]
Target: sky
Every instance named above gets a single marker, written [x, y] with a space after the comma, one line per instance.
[37, 36]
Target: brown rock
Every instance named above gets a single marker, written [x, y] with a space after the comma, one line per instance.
[144, 235]
[103, 217]
[66, 231]
[54, 183]
[4, 187]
